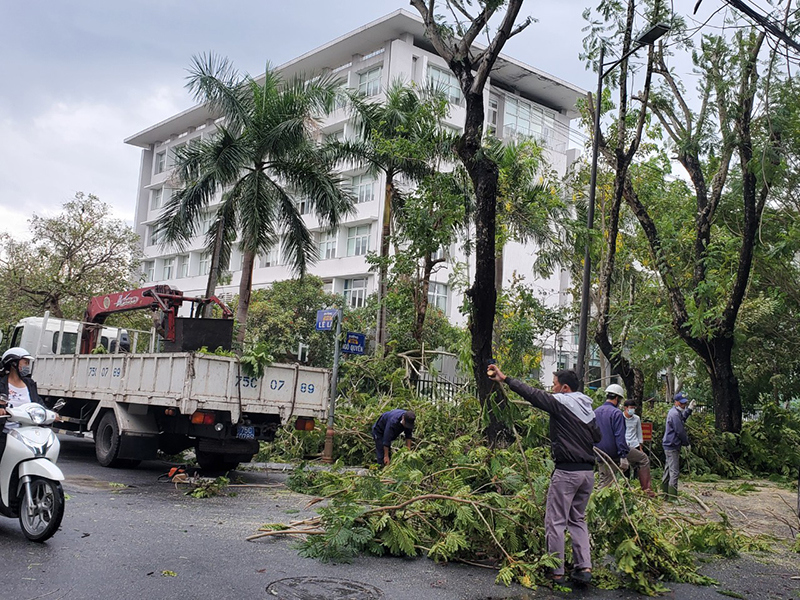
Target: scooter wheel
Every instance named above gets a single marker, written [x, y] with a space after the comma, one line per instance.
[41, 511]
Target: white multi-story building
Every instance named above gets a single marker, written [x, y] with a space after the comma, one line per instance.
[520, 100]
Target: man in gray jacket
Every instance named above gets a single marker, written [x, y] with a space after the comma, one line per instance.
[675, 437]
[573, 433]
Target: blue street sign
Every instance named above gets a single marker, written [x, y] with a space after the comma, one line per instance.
[354, 343]
[325, 319]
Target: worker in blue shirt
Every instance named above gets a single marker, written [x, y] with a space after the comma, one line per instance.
[612, 427]
[387, 429]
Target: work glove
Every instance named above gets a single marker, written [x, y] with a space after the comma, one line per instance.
[623, 464]
[692, 404]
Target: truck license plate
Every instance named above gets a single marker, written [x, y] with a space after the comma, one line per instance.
[246, 432]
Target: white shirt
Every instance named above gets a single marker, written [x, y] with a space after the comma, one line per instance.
[16, 397]
[633, 430]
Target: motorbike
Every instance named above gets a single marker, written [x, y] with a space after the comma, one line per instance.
[30, 481]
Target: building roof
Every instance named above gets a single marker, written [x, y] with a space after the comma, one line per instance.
[534, 83]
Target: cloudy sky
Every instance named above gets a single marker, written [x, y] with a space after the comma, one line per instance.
[80, 76]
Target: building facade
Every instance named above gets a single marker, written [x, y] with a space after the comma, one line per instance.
[520, 101]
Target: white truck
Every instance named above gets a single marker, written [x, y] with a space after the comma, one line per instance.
[137, 403]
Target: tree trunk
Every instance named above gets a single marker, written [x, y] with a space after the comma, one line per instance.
[383, 284]
[245, 290]
[422, 301]
[213, 273]
[724, 385]
[483, 173]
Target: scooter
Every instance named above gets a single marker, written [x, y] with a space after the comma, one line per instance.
[30, 481]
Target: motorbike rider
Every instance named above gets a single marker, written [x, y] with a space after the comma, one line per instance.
[16, 384]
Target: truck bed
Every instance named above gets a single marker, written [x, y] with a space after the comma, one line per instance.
[186, 381]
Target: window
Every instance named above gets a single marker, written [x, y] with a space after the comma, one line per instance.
[445, 82]
[327, 286]
[358, 240]
[492, 128]
[364, 188]
[440, 254]
[355, 292]
[369, 83]
[304, 206]
[155, 198]
[183, 266]
[68, 342]
[271, 258]
[206, 221]
[175, 154]
[527, 119]
[153, 235]
[204, 265]
[149, 270]
[437, 295]
[335, 136]
[327, 244]
[161, 160]
[169, 268]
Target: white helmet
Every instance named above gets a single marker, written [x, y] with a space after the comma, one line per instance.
[16, 353]
[615, 389]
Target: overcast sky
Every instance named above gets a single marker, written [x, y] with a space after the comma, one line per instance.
[80, 76]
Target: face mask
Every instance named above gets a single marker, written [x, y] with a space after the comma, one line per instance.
[25, 371]
[631, 411]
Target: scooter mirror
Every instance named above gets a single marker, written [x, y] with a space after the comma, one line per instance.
[59, 405]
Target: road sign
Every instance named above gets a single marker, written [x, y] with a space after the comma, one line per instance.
[325, 319]
[354, 343]
[647, 432]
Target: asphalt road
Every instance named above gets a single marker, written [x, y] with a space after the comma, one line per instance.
[127, 535]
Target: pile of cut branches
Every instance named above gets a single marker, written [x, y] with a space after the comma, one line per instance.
[454, 499]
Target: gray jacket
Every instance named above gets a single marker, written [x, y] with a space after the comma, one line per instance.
[675, 434]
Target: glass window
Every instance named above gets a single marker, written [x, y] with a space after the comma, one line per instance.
[355, 292]
[68, 342]
[522, 118]
[364, 188]
[327, 244]
[183, 266]
[173, 155]
[160, 162]
[206, 221]
[149, 270]
[369, 83]
[358, 240]
[304, 206]
[169, 268]
[153, 235]
[437, 295]
[492, 128]
[155, 198]
[327, 286]
[444, 81]
[204, 264]
[271, 258]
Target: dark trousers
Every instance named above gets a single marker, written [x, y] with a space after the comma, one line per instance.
[378, 448]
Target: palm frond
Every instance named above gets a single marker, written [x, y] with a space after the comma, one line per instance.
[214, 81]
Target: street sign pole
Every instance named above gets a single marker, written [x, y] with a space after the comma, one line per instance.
[327, 453]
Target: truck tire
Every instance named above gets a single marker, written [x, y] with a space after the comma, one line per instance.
[106, 444]
[215, 462]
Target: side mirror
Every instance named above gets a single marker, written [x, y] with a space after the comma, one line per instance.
[59, 405]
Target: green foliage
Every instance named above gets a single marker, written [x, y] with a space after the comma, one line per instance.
[218, 351]
[77, 254]
[208, 488]
[255, 359]
[451, 498]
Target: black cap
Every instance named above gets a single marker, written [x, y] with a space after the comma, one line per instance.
[409, 418]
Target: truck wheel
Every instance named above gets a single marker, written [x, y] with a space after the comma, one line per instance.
[214, 462]
[106, 443]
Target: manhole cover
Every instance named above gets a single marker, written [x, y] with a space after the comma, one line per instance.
[330, 588]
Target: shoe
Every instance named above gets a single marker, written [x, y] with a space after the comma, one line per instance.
[560, 579]
[672, 494]
[582, 576]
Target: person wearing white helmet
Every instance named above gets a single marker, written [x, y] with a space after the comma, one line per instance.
[637, 459]
[612, 426]
[16, 385]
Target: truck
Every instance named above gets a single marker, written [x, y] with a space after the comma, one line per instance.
[172, 395]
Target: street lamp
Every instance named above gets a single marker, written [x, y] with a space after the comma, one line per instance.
[644, 39]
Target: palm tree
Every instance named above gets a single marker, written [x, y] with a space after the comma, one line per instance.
[261, 160]
[401, 137]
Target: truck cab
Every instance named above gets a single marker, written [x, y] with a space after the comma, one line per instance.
[44, 337]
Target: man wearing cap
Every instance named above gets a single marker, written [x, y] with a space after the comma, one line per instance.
[634, 438]
[388, 428]
[612, 427]
[675, 437]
